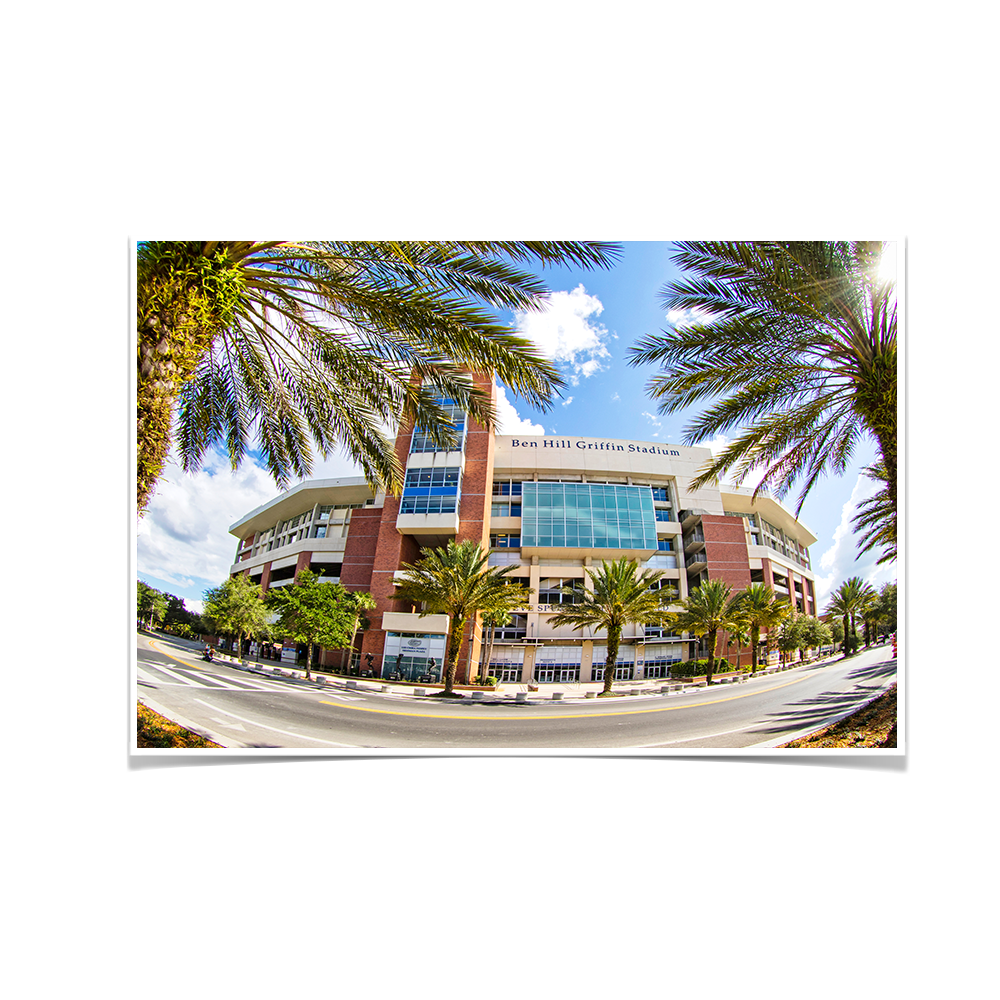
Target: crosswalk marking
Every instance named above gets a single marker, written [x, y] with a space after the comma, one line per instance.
[205, 681]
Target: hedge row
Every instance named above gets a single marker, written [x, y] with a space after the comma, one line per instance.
[698, 668]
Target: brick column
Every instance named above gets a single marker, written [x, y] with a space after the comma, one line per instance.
[474, 516]
[389, 551]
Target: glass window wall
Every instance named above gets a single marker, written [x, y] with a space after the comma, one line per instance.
[587, 515]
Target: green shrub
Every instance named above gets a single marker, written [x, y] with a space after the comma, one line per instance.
[699, 668]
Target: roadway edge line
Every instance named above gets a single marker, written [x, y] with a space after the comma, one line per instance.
[224, 741]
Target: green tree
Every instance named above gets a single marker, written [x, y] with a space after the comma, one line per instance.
[330, 342]
[837, 631]
[793, 347]
[758, 608]
[458, 582]
[151, 605]
[887, 605]
[316, 613]
[708, 609]
[236, 607]
[815, 634]
[790, 636]
[618, 595]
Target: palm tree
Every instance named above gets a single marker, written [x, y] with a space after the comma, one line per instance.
[758, 608]
[739, 633]
[329, 341]
[707, 610]
[619, 595]
[877, 517]
[847, 601]
[457, 581]
[492, 620]
[794, 345]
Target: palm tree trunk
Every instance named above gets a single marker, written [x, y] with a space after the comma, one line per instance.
[711, 657]
[309, 660]
[451, 653]
[614, 638]
[489, 655]
[754, 645]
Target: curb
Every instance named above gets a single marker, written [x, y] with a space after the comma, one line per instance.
[223, 741]
[802, 733]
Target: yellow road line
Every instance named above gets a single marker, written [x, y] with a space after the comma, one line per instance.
[529, 718]
[584, 715]
[193, 666]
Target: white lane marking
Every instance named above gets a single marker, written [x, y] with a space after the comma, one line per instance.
[190, 681]
[231, 725]
[689, 739]
[284, 732]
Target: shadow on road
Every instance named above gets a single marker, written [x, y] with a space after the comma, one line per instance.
[814, 712]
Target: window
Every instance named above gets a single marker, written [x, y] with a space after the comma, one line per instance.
[421, 442]
[550, 591]
[319, 531]
[665, 544]
[428, 505]
[506, 488]
[587, 515]
[660, 495]
[502, 541]
[505, 510]
[663, 514]
[438, 481]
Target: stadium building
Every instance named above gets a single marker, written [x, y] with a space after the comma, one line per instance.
[549, 506]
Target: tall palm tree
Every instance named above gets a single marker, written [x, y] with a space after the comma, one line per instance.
[329, 341]
[794, 347]
[759, 608]
[708, 609]
[492, 620]
[457, 581]
[847, 601]
[618, 595]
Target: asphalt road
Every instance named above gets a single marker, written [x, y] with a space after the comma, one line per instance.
[244, 709]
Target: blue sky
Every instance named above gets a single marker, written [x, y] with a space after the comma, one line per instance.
[593, 317]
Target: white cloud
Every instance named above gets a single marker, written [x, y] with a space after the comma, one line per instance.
[567, 401]
[681, 318]
[184, 538]
[841, 559]
[508, 421]
[615, 398]
[564, 331]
